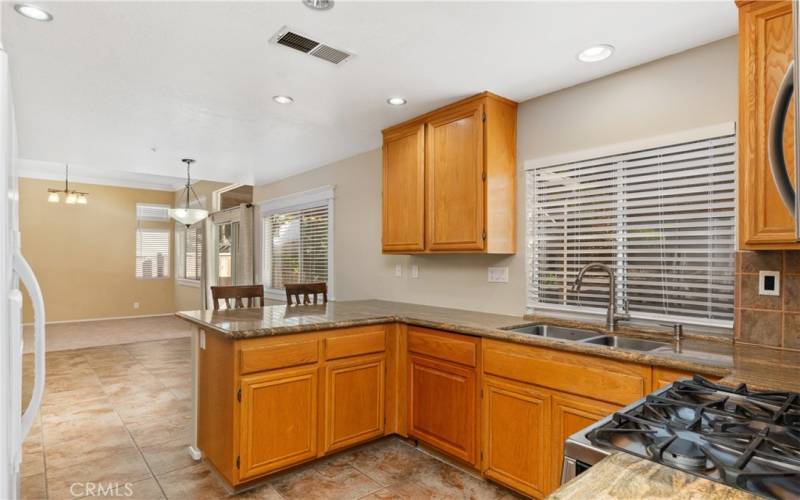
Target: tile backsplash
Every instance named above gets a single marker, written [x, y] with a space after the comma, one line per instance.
[767, 319]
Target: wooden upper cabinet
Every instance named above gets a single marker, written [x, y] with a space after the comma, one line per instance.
[765, 51]
[404, 189]
[455, 179]
[449, 179]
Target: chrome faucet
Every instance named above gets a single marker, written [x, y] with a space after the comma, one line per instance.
[612, 316]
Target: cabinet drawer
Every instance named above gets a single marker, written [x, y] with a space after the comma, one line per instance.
[278, 355]
[594, 377]
[448, 346]
[356, 341]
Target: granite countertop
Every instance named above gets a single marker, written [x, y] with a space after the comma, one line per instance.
[759, 367]
[623, 476]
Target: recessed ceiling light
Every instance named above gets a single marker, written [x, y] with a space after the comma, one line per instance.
[282, 99]
[395, 101]
[33, 12]
[596, 53]
[318, 4]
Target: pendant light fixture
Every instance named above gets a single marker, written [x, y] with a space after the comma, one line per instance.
[188, 216]
[71, 197]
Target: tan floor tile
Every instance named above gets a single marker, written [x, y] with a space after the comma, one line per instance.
[159, 430]
[168, 456]
[147, 489]
[265, 492]
[115, 465]
[61, 454]
[80, 428]
[324, 481]
[192, 483]
[33, 487]
[387, 461]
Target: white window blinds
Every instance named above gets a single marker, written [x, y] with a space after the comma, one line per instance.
[152, 212]
[662, 216]
[296, 246]
[152, 253]
[190, 256]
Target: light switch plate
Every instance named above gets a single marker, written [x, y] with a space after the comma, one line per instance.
[398, 270]
[414, 271]
[202, 339]
[498, 275]
[769, 282]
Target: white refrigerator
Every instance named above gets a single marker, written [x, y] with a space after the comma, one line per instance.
[15, 421]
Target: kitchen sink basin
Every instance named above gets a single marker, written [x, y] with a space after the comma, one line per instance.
[556, 332]
[627, 343]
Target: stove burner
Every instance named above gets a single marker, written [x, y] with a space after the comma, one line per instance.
[746, 439]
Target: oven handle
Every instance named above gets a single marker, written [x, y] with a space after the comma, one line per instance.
[777, 123]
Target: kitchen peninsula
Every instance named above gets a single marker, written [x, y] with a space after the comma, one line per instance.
[280, 386]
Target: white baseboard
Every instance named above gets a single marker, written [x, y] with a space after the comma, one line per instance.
[102, 319]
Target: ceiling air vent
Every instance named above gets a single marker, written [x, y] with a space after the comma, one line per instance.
[294, 40]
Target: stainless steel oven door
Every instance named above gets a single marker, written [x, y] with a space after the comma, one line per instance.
[777, 123]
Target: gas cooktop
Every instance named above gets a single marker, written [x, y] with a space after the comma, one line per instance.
[746, 439]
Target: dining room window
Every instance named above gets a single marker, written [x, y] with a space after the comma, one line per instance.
[152, 241]
[659, 212]
[297, 240]
[189, 251]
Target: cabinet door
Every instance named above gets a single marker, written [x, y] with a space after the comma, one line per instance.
[569, 415]
[765, 45]
[515, 435]
[354, 401]
[455, 179]
[442, 406]
[278, 425]
[404, 189]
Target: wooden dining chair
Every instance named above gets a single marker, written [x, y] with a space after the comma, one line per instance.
[253, 293]
[306, 290]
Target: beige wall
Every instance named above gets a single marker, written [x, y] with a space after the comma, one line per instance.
[84, 256]
[187, 297]
[687, 90]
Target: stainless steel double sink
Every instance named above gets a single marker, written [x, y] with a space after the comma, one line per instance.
[590, 337]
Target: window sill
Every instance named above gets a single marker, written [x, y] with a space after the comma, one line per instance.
[189, 283]
[161, 278]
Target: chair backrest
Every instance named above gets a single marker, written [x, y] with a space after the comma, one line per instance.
[306, 291]
[233, 295]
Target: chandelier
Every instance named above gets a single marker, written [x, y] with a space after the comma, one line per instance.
[186, 215]
[71, 197]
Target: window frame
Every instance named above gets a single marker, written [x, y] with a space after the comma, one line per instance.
[180, 256]
[317, 197]
[594, 313]
[168, 264]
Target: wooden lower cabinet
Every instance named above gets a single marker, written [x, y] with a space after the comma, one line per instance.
[663, 377]
[442, 406]
[354, 401]
[515, 418]
[569, 415]
[278, 423]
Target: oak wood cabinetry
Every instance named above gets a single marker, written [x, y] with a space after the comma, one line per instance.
[278, 420]
[449, 179]
[663, 377]
[443, 392]
[765, 51]
[515, 434]
[505, 409]
[269, 403]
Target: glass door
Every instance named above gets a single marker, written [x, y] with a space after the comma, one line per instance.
[226, 253]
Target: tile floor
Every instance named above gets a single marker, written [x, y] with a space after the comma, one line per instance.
[119, 417]
[79, 335]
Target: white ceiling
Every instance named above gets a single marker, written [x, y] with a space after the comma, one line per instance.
[135, 86]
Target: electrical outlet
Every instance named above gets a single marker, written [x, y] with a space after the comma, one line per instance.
[769, 282]
[414, 271]
[136, 305]
[498, 275]
[398, 270]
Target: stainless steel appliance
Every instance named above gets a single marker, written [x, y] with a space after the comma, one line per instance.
[746, 439]
[780, 110]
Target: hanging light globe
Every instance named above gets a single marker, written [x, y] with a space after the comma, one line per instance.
[187, 215]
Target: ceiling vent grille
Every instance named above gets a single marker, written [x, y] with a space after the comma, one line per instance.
[294, 40]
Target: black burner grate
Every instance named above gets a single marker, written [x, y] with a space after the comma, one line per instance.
[743, 438]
